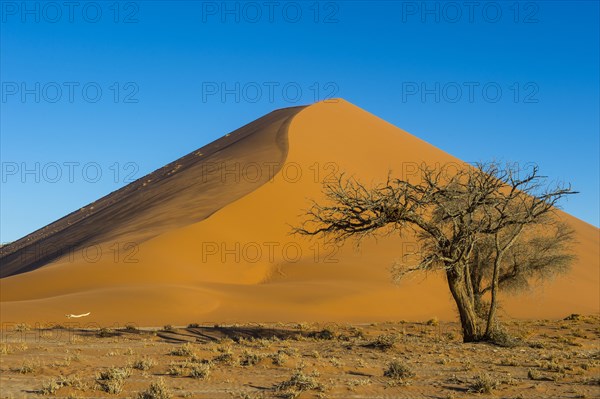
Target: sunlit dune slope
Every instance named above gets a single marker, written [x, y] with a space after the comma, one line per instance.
[241, 264]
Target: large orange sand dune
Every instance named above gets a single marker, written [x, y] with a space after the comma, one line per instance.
[211, 241]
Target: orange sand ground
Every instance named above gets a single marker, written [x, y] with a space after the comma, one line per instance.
[240, 263]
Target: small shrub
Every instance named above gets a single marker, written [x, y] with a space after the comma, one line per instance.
[143, 364]
[433, 322]
[568, 340]
[168, 327]
[22, 327]
[509, 362]
[113, 379]
[351, 333]
[501, 337]
[115, 373]
[250, 358]
[177, 368]
[398, 371]
[449, 336]
[552, 365]
[484, 384]
[467, 364]
[573, 317]
[73, 381]
[186, 349]
[535, 375]
[226, 357]
[193, 325]
[156, 390]
[50, 387]
[291, 352]
[336, 362]
[27, 367]
[5, 349]
[279, 358]
[325, 334]
[105, 333]
[383, 342]
[200, 371]
[298, 383]
[21, 347]
[358, 382]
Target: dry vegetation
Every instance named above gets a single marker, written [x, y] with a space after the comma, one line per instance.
[558, 359]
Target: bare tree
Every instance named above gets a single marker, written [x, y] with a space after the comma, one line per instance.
[474, 224]
[540, 254]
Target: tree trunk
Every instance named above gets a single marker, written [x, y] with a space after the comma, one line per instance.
[494, 301]
[500, 251]
[465, 305]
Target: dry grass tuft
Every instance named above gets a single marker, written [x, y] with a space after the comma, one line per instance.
[383, 342]
[484, 383]
[298, 383]
[156, 390]
[49, 387]
[21, 327]
[200, 370]
[177, 368]
[185, 350]
[325, 334]
[27, 367]
[399, 372]
[113, 379]
[143, 364]
[250, 358]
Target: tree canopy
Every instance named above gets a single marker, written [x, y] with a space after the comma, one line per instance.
[485, 226]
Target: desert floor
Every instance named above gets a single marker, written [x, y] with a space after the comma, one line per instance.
[549, 359]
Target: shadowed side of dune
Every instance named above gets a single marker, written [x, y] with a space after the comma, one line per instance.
[183, 192]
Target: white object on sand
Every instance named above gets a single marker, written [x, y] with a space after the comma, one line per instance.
[70, 316]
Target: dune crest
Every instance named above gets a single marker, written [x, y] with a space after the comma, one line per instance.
[237, 262]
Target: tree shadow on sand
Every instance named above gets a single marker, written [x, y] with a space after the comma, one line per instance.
[215, 333]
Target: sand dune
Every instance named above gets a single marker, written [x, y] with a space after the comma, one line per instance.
[211, 238]
[182, 192]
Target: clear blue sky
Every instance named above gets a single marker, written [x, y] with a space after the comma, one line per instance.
[526, 72]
